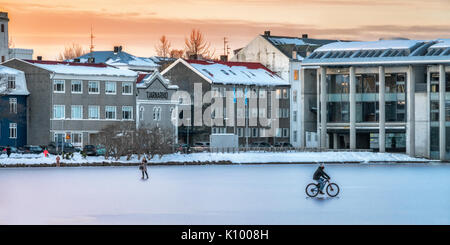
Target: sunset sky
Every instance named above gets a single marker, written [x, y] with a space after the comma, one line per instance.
[48, 25]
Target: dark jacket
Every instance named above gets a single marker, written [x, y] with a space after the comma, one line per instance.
[320, 173]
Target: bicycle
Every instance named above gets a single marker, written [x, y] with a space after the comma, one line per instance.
[313, 189]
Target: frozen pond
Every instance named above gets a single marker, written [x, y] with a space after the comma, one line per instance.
[232, 194]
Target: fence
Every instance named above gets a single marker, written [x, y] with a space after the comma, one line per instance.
[270, 149]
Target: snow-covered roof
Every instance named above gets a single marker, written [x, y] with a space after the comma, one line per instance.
[371, 45]
[144, 79]
[20, 82]
[284, 40]
[82, 68]
[381, 52]
[243, 73]
[120, 58]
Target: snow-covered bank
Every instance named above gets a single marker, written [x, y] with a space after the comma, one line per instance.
[236, 158]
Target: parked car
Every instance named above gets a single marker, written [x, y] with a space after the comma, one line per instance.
[282, 144]
[200, 146]
[56, 149]
[13, 150]
[183, 148]
[100, 150]
[90, 150]
[32, 149]
[260, 144]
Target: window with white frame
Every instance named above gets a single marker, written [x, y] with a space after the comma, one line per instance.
[127, 88]
[13, 105]
[110, 87]
[76, 112]
[110, 112]
[156, 113]
[94, 112]
[58, 86]
[59, 112]
[295, 135]
[240, 132]
[11, 82]
[294, 116]
[278, 94]
[141, 113]
[93, 87]
[285, 93]
[77, 87]
[127, 112]
[285, 132]
[77, 139]
[13, 130]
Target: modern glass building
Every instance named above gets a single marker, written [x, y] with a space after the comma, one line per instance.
[386, 95]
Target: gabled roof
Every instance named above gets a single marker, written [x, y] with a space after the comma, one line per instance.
[382, 52]
[301, 45]
[239, 73]
[74, 68]
[20, 82]
[120, 58]
[146, 79]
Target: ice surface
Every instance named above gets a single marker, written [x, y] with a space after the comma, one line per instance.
[217, 194]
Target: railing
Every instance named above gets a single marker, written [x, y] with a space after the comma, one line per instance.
[269, 149]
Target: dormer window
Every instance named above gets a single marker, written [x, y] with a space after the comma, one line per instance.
[11, 82]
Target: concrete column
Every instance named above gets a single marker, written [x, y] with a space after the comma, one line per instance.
[382, 109]
[352, 99]
[410, 112]
[323, 107]
[302, 106]
[442, 135]
[335, 141]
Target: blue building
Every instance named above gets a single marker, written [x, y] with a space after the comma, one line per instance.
[13, 107]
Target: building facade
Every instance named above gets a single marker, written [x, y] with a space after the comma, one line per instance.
[4, 38]
[386, 95]
[13, 107]
[232, 97]
[283, 55]
[154, 104]
[75, 99]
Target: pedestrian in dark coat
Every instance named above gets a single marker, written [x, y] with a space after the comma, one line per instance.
[8, 150]
[143, 167]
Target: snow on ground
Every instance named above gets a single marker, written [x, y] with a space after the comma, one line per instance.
[244, 157]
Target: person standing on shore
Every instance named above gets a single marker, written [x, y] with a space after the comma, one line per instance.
[8, 151]
[143, 167]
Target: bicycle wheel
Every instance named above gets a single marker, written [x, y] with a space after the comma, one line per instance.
[312, 190]
[332, 190]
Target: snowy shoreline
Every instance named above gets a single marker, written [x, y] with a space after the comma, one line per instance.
[38, 160]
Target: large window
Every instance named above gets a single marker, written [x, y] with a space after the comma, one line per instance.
[127, 112]
[58, 112]
[338, 98]
[77, 139]
[127, 88]
[110, 112]
[77, 87]
[110, 87]
[156, 113]
[13, 130]
[93, 87]
[76, 112]
[13, 105]
[94, 112]
[58, 86]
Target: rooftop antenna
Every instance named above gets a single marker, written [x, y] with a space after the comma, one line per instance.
[92, 42]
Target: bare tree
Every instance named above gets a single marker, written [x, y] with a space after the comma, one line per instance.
[176, 53]
[72, 51]
[197, 45]
[163, 47]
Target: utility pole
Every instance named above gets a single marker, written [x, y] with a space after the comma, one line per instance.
[92, 42]
[226, 48]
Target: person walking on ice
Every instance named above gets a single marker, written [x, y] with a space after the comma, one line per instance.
[143, 167]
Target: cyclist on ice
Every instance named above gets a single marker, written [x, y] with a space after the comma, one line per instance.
[320, 176]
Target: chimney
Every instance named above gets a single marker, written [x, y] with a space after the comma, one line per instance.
[224, 58]
[304, 35]
[294, 54]
[267, 33]
[193, 56]
[76, 60]
[39, 58]
[117, 49]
